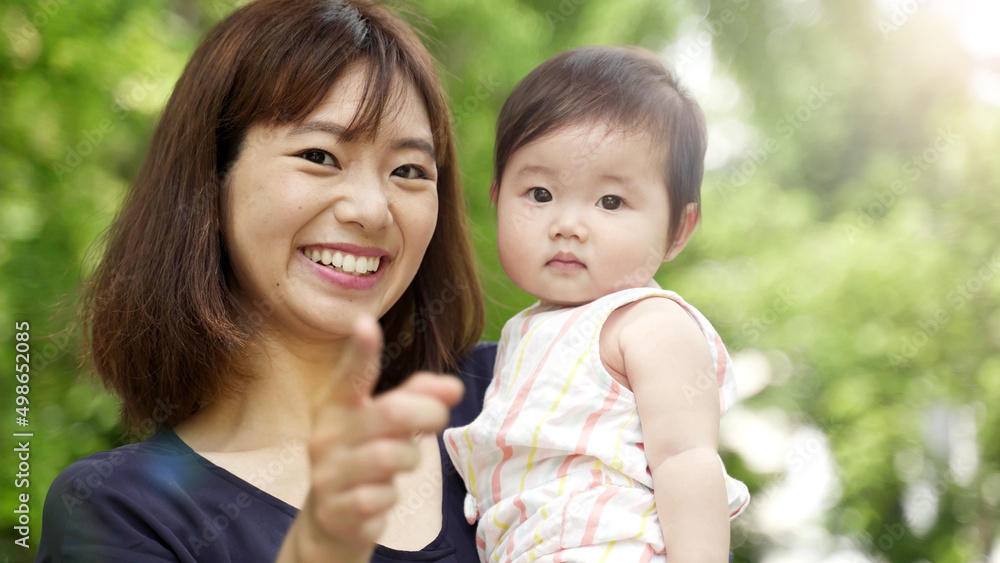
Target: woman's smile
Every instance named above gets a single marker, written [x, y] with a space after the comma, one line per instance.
[360, 270]
[323, 226]
[360, 263]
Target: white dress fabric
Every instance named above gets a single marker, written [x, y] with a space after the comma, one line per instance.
[554, 465]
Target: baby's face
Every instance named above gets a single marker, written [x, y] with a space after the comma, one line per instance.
[582, 213]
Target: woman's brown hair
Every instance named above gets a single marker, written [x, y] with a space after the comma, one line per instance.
[162, 321]
[624, 88]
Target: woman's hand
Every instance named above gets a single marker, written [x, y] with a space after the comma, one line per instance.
[358, 445]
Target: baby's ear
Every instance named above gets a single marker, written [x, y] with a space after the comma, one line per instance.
[494, 193]
[690, 218]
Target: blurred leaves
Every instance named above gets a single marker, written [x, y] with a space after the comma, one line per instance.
[857, 249]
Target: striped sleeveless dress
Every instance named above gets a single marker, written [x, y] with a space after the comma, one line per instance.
[554, 465]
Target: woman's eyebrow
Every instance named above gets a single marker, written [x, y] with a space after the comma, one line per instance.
[339, 131]
[418, 144]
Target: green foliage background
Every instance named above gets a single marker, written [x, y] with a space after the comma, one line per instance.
[850, 248]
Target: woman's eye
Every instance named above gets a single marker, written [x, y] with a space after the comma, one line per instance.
[540, 195]
[411, 172]
[321, 157]
[610, 202]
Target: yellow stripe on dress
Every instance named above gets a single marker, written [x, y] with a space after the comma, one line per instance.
[472, 477]
[607, 551]
[538, 539]
[468, 427]
[617, 462]
[552, 410]
[645, 516]
[499, 524]
[472, 473]
[520, 358]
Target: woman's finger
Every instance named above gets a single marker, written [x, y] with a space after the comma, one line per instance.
[358, 368]
[341, 531]
[446, 388]
[343, 514]
[403, 412]
[377, 461]
[363, 365]
[421, 404]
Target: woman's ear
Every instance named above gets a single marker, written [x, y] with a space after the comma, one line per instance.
[690, 218]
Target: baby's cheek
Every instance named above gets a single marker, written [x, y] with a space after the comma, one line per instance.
[507, 253]
[634, 268]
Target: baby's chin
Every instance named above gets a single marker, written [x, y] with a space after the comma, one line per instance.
[563, 303]
[569, 299]
[575, 294]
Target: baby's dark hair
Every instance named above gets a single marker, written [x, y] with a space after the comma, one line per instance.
[625, 88]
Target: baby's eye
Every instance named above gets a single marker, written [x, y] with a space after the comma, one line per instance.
[610, 202]
[318, 156]
[411, 172]
[540, 195]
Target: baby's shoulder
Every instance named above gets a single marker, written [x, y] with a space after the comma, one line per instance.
[657, 323]
[653, 317]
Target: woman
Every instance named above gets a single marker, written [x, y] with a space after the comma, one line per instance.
[300, 183]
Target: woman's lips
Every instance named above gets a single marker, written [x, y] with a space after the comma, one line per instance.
[375, 267]
[357, 264]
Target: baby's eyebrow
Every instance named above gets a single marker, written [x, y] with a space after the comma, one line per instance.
[535, 169]
[623, 181]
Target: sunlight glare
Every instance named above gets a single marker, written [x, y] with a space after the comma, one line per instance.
[977, 28]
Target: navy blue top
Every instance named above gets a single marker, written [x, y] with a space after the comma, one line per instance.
[158, 500]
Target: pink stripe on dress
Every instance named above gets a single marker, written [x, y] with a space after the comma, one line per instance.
[595, 515]
[522, 396]
[564, 468]
[588, 427]
[520, 506]
[527, 322]
[738, 510]
[451, 440]
[495, 384]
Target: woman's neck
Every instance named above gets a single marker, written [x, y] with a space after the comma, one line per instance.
[283, 381]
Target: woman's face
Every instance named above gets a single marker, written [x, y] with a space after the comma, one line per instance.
[320, 229]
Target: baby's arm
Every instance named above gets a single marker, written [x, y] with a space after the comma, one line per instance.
[662, 353]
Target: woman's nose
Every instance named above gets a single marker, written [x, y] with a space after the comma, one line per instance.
[568, 223]
[365, 204]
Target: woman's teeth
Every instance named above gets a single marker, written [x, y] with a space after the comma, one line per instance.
[341, 261]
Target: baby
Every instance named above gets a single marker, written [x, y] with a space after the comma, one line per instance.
[598, 440]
